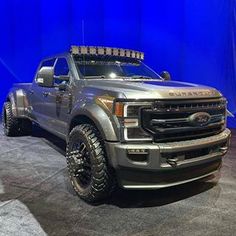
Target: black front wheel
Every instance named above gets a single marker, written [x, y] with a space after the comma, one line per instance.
[89, 172]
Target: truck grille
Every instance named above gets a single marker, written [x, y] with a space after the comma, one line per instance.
[171, 120]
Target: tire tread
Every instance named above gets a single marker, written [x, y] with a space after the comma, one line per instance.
[102, 179]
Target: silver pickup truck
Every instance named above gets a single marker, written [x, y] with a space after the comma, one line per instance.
[124, 124]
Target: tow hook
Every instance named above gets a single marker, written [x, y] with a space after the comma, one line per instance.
[172, 161]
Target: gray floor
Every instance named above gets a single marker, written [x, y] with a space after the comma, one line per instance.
[36, 198]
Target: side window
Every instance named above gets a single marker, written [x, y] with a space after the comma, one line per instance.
[61, 68]
[49, 62]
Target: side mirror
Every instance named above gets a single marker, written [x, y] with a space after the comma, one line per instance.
[165, 75]
[45, 77]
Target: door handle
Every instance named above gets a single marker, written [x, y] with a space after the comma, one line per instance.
[45, 94]
[58, 99]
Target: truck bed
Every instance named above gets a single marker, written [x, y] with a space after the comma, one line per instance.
[22, 85]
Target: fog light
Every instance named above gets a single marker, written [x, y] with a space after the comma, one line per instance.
[137, 151]
[138, 155]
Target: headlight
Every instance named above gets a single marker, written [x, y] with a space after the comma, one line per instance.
[128, 114]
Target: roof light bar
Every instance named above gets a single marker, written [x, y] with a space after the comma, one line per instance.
[91, 50]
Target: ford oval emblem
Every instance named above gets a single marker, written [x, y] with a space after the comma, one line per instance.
[199, 118]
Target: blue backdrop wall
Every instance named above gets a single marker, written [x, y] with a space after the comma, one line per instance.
[193, 40]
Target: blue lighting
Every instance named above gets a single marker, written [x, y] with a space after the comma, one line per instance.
[193, 40]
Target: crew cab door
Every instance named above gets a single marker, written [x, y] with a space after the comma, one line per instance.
[38, 95]
[58, 99]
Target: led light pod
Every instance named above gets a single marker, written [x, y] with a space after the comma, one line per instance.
[118, 52]
[92, 50]
[101, 51]
[122, 52]
[108, 51]
[83, 50]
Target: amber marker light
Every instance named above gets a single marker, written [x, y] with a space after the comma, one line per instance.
[119, 109]
[105, 101]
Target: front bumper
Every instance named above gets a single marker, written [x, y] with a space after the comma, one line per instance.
[167, 164]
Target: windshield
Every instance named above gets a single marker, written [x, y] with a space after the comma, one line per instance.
[114, 68]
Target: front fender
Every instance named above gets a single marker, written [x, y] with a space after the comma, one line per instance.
[106, 123]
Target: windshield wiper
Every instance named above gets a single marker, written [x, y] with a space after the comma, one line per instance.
[95, 76]
[140, 77]
[102, 77]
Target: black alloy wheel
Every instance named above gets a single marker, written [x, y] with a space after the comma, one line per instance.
[89, 171]
[80, 164]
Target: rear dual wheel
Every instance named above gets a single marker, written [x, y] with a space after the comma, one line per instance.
[89, 171]
[13, 126]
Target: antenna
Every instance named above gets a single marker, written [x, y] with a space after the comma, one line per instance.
[83, 41]
[83, 32]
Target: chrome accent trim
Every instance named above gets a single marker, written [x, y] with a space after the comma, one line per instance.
[229, 114]
[127, 104]
[134, 139]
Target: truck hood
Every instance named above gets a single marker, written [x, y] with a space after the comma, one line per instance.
[152, 89]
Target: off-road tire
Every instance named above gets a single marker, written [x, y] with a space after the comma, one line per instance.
[101, 181]
[13, 126]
